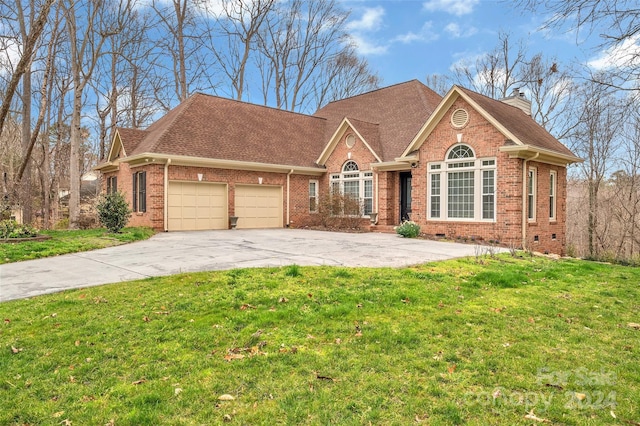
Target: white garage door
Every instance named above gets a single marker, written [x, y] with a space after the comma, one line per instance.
[259, 206]
[197, 206]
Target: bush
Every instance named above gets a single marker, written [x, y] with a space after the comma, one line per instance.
[408, 229]
[339, 211]
[12, 229]
[113, 212]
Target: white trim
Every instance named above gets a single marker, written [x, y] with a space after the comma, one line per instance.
[335, 138]
[183, 160]
[532, 194]
[553, 195]
[471, 164]
[316, 195]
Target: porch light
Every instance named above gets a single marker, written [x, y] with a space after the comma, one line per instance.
[200, 175]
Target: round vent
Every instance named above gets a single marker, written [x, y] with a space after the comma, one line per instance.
[459, 118]
[350, 140]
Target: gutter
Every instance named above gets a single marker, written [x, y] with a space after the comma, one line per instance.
[288, 191]
[166, 194]
[525, 220]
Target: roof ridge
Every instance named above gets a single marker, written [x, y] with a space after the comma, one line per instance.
[361, 121]
[181, 108]
[376, 90]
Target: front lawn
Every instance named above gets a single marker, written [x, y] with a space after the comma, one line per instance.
[64, 242]
[474, 341]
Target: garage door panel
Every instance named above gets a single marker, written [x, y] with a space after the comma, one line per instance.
[258, 206]
[197, 206]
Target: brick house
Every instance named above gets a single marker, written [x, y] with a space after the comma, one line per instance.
[462, 165]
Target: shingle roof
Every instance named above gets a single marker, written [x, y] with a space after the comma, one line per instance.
[521, 125]
[131, 138]
[399, 111]
[208, 126]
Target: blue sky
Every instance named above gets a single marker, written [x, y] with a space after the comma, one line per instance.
[404, 40]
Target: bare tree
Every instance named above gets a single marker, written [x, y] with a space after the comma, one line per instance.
[616, 22]
[344, 75]
[551, 86]
[495, 73]
[86, 40]
[29, 45]
[180, 38]
[237, 27]
[439, 83]
[297, 42]
[595, 139]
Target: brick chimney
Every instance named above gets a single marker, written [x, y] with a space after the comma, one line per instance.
[518, 100]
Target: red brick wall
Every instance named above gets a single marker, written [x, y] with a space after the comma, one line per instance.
[507, 228]
[154, 216]
[543, 227]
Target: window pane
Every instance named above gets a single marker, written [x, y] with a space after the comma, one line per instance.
[460, 151]
[552, 196]
[435, 195]
[531, 198]
[488, 197]
[460, 197]
[368, 206]
[350, 166]
[352, 189]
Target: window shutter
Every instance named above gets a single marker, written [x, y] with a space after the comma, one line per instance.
[135, 192]
[143, 191]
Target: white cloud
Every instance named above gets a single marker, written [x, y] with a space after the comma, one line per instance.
[457, 32]
[623, 55]
[366, 47]
[362, 31]
[425, 34]
[454, 7]
[371, 20]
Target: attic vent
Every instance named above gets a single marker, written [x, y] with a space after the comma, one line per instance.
[351, 140]
[459, 118]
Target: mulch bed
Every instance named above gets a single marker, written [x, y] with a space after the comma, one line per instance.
[22, 240]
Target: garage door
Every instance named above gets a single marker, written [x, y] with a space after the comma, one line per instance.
[197, 206]
[259, 206]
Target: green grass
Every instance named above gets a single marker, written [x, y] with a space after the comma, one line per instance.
[63, 242]
[457, 342]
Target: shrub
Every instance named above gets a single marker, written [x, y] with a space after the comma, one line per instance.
[339, 211]
[12, 229]
[408, 229]
[113, 211]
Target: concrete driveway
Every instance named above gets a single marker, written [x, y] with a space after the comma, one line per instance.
[175, 252]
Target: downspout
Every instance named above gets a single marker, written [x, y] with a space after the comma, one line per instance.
[525, 217]
[166, 194]
[288, 191]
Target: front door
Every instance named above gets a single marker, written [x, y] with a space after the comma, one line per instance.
[405, 196]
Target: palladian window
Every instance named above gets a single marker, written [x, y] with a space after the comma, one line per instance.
[462, 187]
[356, 185]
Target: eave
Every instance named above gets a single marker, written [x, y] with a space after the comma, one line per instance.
[106, 167]
[527, 152]
[182, 160]
[391, 166]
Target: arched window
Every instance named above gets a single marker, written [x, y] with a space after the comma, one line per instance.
[460, 151]
[350, 166]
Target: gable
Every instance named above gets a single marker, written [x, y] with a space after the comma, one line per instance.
[522, 136]
[398, 111]
[368, 129]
